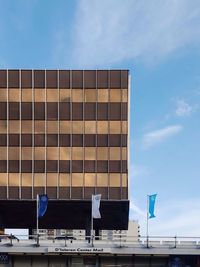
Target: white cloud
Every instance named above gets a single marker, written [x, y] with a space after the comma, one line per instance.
[183, 109]
[136, 212]
[110, 31]
[152, 138]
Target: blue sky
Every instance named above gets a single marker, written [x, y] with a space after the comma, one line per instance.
[159, 41]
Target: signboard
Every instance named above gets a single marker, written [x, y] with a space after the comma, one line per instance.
[78, 250]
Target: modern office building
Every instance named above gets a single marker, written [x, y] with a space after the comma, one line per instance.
[64, 133]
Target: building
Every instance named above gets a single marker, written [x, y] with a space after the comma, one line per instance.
[160, 252]
[132, 234]
[64, 133]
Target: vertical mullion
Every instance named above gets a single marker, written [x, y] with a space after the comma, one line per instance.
[20, 137]
[71, 132]
[109, 73]
[45, 135]
[33, 131]
[58, 134]
[7, 166]
[96, 134]
[83, 138]
[121, 125]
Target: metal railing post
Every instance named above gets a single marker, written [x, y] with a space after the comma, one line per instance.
[11, 240]
[38, 241]
[65, 240]
[147, 241]
[175, 241]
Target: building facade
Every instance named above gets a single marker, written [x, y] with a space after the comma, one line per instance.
[65, 134]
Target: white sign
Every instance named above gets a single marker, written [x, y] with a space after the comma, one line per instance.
[78, 250]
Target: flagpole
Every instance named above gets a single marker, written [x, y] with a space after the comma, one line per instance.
[147, 230]
[37, 214]
[91, 225]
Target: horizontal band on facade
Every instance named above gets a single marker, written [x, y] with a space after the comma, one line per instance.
[63, 166]
[64, 78]
[64, 179]
[63, 140]
[63, 153]
[64, 95]
[63, 192]
[63, 127]
[63, 111]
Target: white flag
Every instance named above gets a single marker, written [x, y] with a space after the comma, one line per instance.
[95, 206]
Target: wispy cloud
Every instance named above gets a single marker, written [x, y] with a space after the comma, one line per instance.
[109, 31]
[184, 109]
[152, 138]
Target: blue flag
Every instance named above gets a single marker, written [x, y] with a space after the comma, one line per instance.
[152, 199]
[42, 205]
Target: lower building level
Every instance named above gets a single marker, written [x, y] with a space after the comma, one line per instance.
[99, 261]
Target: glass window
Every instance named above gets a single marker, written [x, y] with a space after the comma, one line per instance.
[26, 126]
[14, 95]
[102, 127]
[115, 127]
[3, 95]
[124, 153]
[3, 153]
[52, 95]
[65, 127]
[26, 179]
[14, 179]
[26, 153]
[3, 126]
[64, 179]
[52, 153]
[39, 153]
[115, 180]
[65, 95]
[124, 127]
[90, 95]
[90, 153]
[90, 179]
[65, 153]
[102, 179]
[115, 95]
[39, 95]
[52, 179]
[102, 95]
[26, 95]
[52, 126]
[39, 127]
[77, 153]
[124, 95]
[102, 153]
[77, 95]
[90, 127]
[77, 179]
[39, 179]
[14, 126]
[3, 179]
[124, 180]
[77, 127]
[115, 153]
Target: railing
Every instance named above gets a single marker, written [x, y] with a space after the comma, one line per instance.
[115, 241]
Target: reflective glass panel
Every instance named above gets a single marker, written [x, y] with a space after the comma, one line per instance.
[65, 153]
[52, 95]
[77, 179]
[115, 180]
[26, 95]
[90, 95]
[90, 179]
